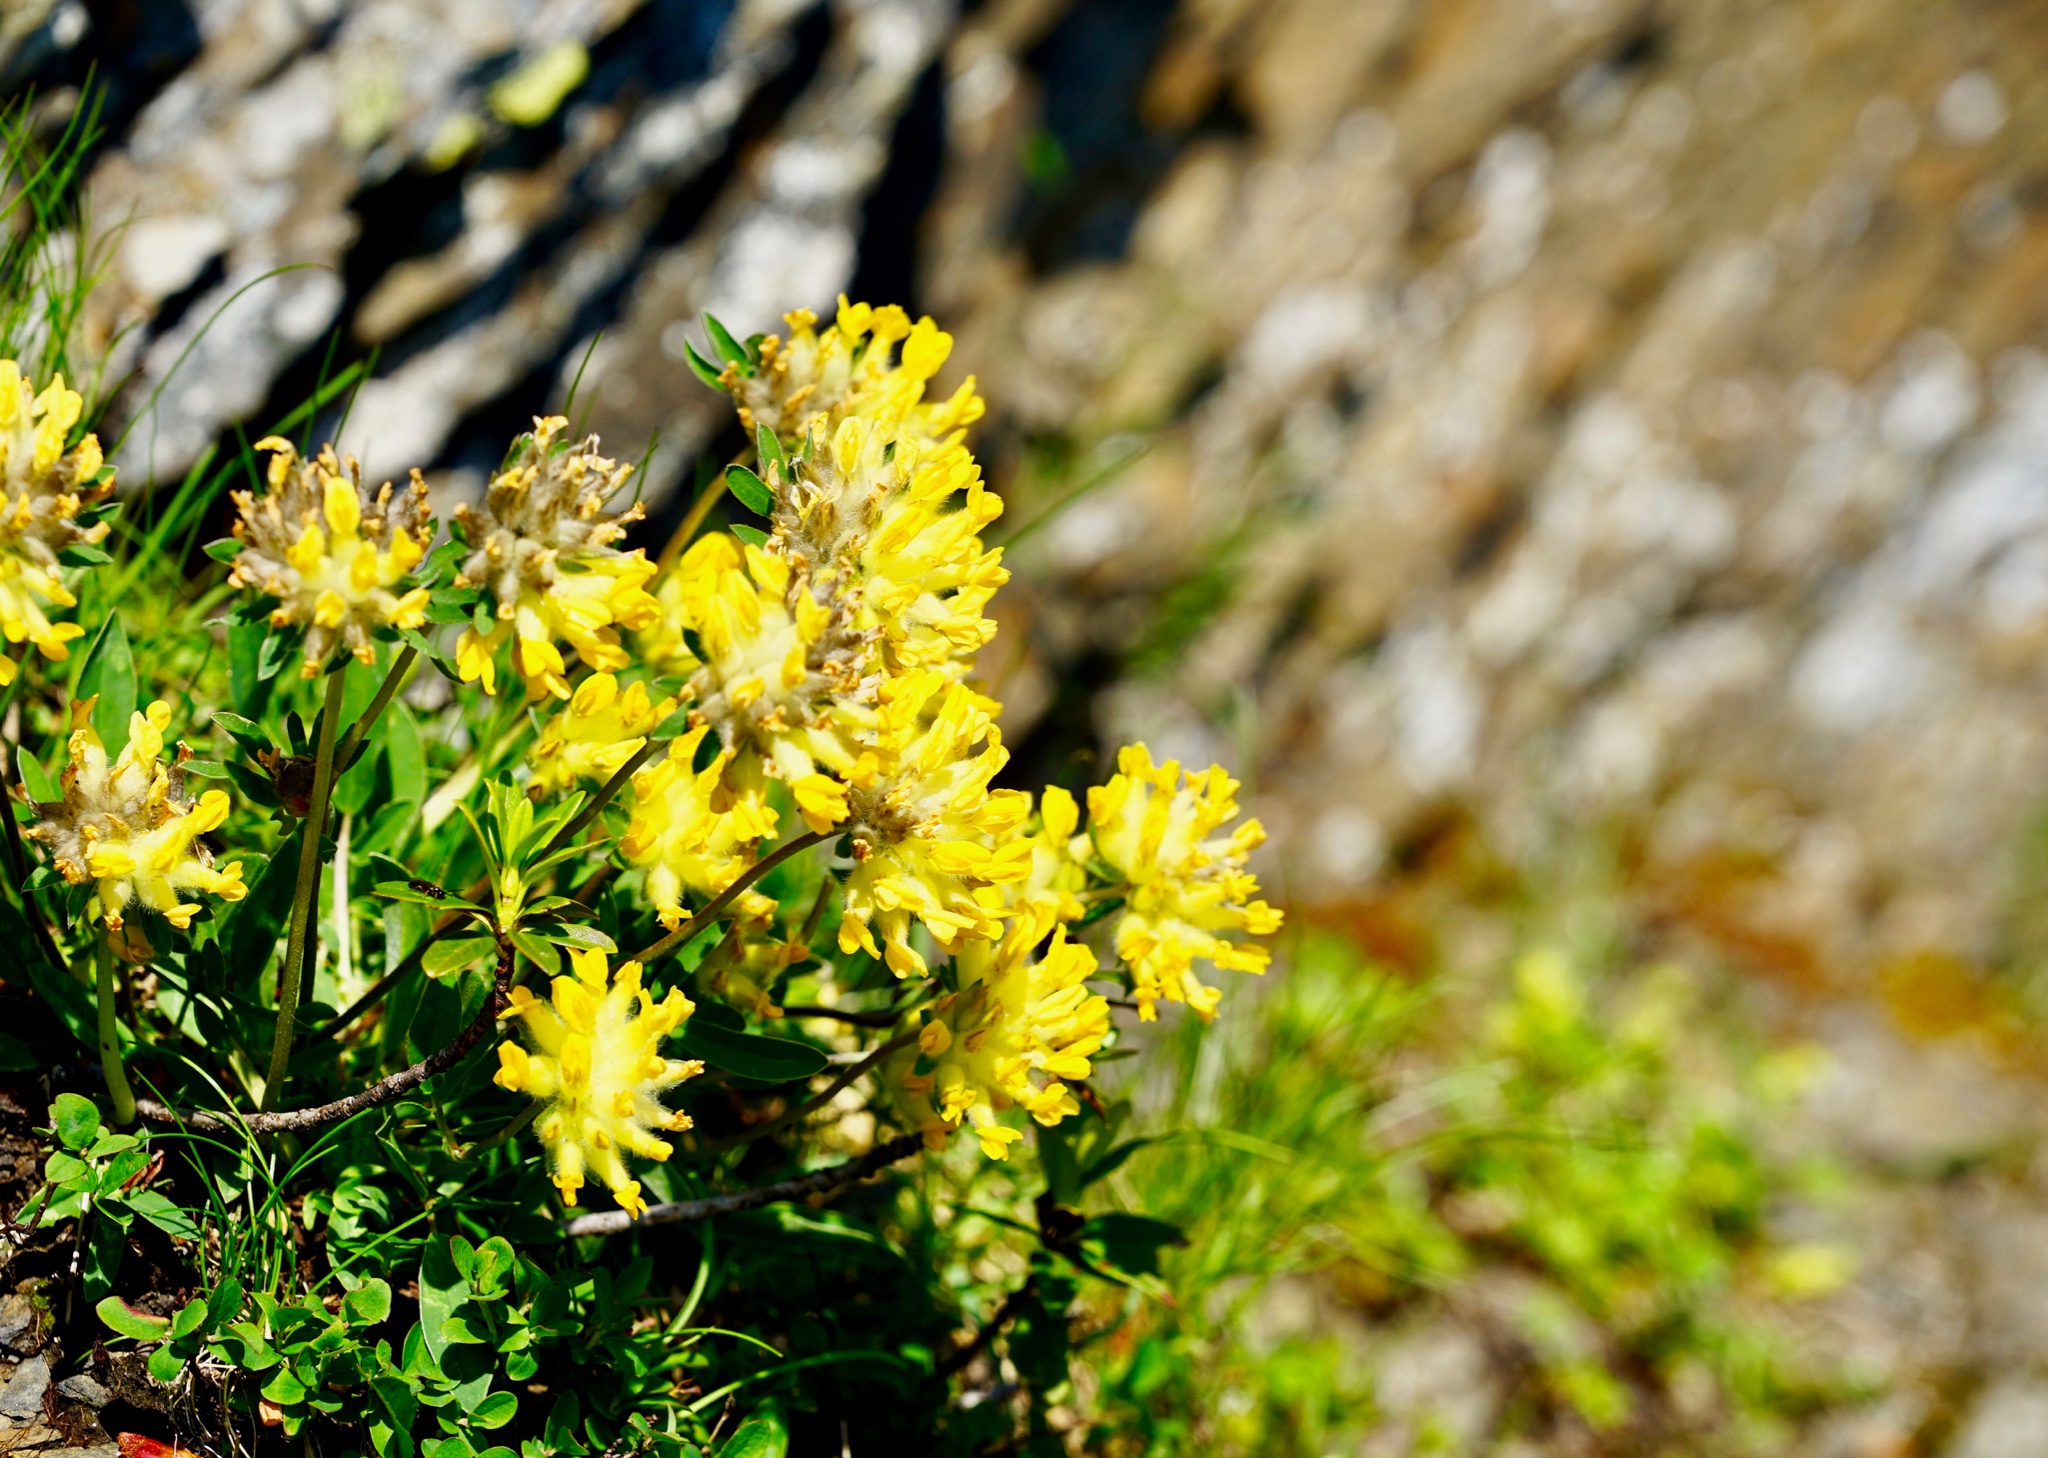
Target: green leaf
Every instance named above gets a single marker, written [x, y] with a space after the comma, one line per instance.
[191, 1316]
[164, 1213]
[105, 1244]
[109, 672]
[674, 724]
[245, 732]
[573, 935]
[453, 954]
[444, 1291]
[284, 1389]
[84, 554]
[495, 1411]
[751, 535]
[41, 788]
[751, 491]
[274, 653]
[224, 549]
[750, 1055]
[769, 448]
[368, 1304]
[126, 1321]
[63, 1169]
[728, 348]
[538, 951]
[255, 929]
[760, 1436]
[224, 1304]
[75, 1119]
[166, 1364]
[245, 654]
[1131, 1242]
[703, 368]
[404, 755]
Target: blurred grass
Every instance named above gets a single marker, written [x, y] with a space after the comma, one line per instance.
[1550, 1175]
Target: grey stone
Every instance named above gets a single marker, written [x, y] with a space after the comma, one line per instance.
[22, 1397]
[85, 1388]
[2009, 1421]
[16, 1317]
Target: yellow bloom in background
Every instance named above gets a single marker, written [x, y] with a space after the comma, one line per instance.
[597, 1065]
[1059, 873]
[1013, 1032]
[330, 553]
[931, 841]
[695, 831]
[45, 488]
[595, 733]
[852, 367]
[1187, 886]
[544, 547]
[128, 828]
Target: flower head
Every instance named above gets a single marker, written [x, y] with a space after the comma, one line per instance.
[128, 828]
[931, 841]
[596, 1063]
[596, 732]
[695, 830]
[848, 369]
[891, 524]
[1058, 861]
[45, 488]
[545, 548]
[1013, 1032]
[330, 553]
[1188, 886]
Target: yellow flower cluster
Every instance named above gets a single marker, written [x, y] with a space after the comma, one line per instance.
[331, 553]
[127, 827]
[826, 668]
[1187, 886]
[597, 1066]
[45, 487]
[983, 1049]
[544, 546]
[595, 733]
[694, 830]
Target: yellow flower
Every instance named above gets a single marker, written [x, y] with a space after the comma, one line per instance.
[1058, 870]
[543, 545]
[330, 553]
[45, 488]
[695, 830]
[776, 662]
[846, 370]
[596, 1063]
[1010, 1035]
[595, 733]
[930, 839]
[1187, 886]
[895, 522]
[128, 827]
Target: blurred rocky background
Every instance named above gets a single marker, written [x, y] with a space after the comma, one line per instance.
[1591, 429]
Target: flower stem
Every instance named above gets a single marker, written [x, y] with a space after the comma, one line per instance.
[306, 893]
[604, 795]
[110, 1036]
[682, 934]
[385, 690]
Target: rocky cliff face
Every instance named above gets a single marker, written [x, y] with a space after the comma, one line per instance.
[1552, 413]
